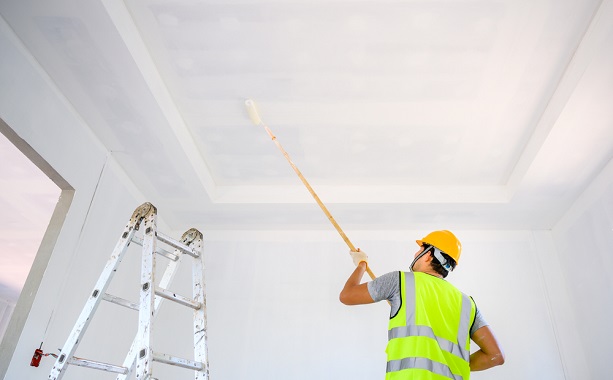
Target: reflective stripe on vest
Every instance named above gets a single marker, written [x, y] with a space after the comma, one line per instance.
[430, 333]
[421, 363]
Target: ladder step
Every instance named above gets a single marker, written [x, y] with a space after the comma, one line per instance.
[120, 301]
[177, 298]
[98, 365]
[160, 251]
[180, 246]
[179, 362]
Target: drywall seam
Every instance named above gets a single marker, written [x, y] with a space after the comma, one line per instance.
[559, 307]
[550, 313]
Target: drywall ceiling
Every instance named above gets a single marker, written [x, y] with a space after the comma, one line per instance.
[401, 114]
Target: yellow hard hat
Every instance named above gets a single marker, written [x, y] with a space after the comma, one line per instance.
[445, 241]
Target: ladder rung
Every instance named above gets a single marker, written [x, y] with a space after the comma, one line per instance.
[97, 365]
[180, 246]
[179, 362]
[177, 298]
[120, 301]
[159, 251]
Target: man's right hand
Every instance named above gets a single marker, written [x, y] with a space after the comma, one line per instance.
[358, 256]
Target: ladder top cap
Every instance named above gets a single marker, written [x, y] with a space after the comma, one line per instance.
[191, 235]
[144, 210]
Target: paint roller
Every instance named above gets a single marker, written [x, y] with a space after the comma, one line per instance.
[255, 118]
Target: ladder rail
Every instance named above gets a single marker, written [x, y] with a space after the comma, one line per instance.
[144, 359]
[200, 318]
[75, 337]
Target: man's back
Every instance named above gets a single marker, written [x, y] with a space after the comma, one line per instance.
[430, 334]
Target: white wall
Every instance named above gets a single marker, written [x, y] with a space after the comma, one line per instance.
[584, 242]
[273, 306]
[274, 309]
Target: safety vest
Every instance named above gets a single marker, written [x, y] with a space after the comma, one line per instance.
[429, 337]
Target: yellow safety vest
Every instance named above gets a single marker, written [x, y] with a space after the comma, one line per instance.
[429, 337]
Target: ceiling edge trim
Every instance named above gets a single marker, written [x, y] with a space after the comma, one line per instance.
[363, 194]
[584, 53]
[124, 23]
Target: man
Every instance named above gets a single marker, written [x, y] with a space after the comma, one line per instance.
[431, 321]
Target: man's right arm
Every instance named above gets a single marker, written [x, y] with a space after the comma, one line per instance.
[355, 293]
[489, 354]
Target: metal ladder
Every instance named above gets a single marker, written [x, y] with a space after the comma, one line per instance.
[151, 295]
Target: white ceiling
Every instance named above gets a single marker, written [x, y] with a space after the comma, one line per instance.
[401, 114]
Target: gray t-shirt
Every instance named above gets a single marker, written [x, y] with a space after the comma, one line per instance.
[387, 287]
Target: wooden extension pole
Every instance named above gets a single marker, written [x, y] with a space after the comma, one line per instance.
[319, 202]
[255, 118]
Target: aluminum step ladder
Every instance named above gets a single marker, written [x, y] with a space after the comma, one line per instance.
[140, 354]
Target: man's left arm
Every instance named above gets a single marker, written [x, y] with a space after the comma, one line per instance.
[489, 354]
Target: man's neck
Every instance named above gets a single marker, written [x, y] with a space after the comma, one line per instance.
[433, 273]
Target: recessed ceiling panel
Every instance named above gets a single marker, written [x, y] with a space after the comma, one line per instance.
[398, 93]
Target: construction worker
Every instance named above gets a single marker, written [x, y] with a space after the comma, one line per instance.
[431, 321]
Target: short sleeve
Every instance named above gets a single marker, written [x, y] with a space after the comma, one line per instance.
[478, 323]
[386, 287]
